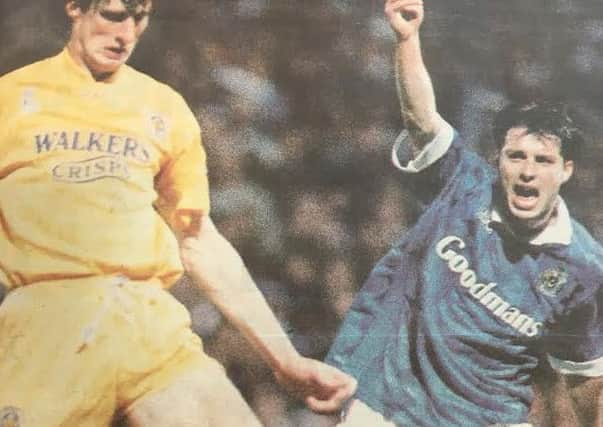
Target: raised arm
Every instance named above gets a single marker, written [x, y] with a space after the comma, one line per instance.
[415, 91]
[218, 270]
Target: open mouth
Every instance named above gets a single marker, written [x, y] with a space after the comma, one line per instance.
[525, 198]
[115, 52]
[524, 191]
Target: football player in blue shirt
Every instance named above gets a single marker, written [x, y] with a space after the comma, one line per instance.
[493, 278]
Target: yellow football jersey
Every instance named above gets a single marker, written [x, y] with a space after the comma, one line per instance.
[94, 177]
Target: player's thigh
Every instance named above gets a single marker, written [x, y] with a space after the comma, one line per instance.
[50, 373]
[201, 398]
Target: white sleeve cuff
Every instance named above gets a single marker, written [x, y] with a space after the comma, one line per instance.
[431, 153]
[592, 368]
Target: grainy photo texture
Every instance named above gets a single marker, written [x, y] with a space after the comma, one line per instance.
[285, 213]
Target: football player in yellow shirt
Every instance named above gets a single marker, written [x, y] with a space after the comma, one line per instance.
[103, 203]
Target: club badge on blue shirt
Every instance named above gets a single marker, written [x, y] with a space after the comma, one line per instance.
[157, 124]
[551, 281]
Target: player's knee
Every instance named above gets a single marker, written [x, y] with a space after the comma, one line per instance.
[177, 405]
[200, 398]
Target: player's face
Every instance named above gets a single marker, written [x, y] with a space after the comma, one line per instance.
[104, 37]
[532, 171]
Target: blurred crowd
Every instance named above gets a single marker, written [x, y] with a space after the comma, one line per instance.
[298, 110]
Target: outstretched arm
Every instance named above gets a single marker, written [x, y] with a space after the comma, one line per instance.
[415, 90]
[216, 267]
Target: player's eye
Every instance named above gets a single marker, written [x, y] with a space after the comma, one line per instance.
[545, 159]
[114, 16]
[516, 155]
[138, 17]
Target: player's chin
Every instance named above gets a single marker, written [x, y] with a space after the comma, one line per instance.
[522, 208]
[524, 214]
[111, 65]
[105, 68]
[106, 63]
[533, 219]
[528, 220]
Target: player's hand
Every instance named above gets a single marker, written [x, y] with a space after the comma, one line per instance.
[405, 17]
[322, 387]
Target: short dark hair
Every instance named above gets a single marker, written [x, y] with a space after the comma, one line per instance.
[543, 118]
[130, 5]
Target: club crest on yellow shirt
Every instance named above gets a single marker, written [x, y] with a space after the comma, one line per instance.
[29, 104]
[10, 417]
[157, 125]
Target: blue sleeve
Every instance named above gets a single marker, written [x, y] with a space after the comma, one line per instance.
[575, 345]
[452, 176]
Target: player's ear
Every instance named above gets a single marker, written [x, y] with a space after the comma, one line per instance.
[568, 170]
[72, 9]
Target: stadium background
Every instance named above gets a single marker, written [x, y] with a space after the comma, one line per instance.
[297, 105]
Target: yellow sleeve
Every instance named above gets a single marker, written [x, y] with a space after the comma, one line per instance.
[182, 183]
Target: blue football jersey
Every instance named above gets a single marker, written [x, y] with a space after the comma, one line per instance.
[451, 323]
